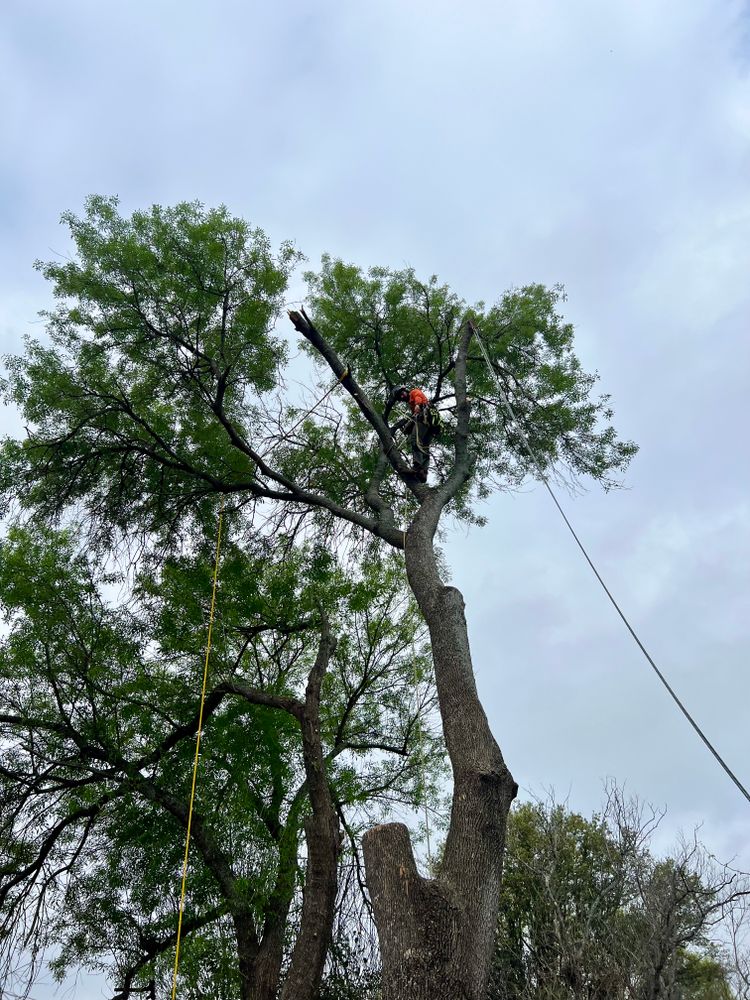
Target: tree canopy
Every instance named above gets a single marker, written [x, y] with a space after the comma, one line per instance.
[161, 386]
[590, 909]
[161, 395]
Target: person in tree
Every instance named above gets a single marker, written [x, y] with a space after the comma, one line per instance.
[422, 427]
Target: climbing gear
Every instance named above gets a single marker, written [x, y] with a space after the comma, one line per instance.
[197, 751]
[433, 419]
[420, 438]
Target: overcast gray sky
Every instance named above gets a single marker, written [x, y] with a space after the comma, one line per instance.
[604, 144]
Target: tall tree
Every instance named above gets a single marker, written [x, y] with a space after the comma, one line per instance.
[158, 395]
[96, 737]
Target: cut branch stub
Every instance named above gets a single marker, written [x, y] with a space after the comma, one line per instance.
[420, 924]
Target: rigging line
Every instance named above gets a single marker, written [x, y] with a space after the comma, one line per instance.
[509, 409]
[197, 750]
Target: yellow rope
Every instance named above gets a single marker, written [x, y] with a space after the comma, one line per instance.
[197, 750]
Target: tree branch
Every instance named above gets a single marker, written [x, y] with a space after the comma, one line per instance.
[304, 325]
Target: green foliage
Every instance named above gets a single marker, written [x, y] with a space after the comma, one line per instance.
[98, 739]
[157, 389]
[162, 320]
[159, 393]
[394, 329]
[586, 910]
[702, 977]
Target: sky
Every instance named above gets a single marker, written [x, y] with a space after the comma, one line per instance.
[604, 144]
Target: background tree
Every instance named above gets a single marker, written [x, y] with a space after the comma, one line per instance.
[159, 393]
[589, 911]
[739, 946]
[96, 741]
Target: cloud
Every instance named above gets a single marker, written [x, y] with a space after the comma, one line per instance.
[602, 145]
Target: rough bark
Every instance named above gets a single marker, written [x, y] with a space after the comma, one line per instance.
[247, 953]
[259, 961]
[437, 935]
[267, 965]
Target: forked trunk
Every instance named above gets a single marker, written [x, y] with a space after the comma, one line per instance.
[269, 957]
[437, 935]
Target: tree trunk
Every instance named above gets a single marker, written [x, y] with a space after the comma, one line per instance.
[267, 966]
[323, 845]
[247, 954]
[437, 935]
[260, 962]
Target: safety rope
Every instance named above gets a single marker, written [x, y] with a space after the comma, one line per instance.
[197, 750]
[511, 413]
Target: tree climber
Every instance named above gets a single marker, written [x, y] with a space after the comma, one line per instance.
[423, 426]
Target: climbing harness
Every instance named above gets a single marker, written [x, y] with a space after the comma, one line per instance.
[540, 470]
[197, 751]
[433, 419]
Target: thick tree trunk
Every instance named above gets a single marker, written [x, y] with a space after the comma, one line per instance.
[259, 962]
[437, 935]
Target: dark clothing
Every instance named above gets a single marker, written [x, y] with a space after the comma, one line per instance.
[420, 436]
